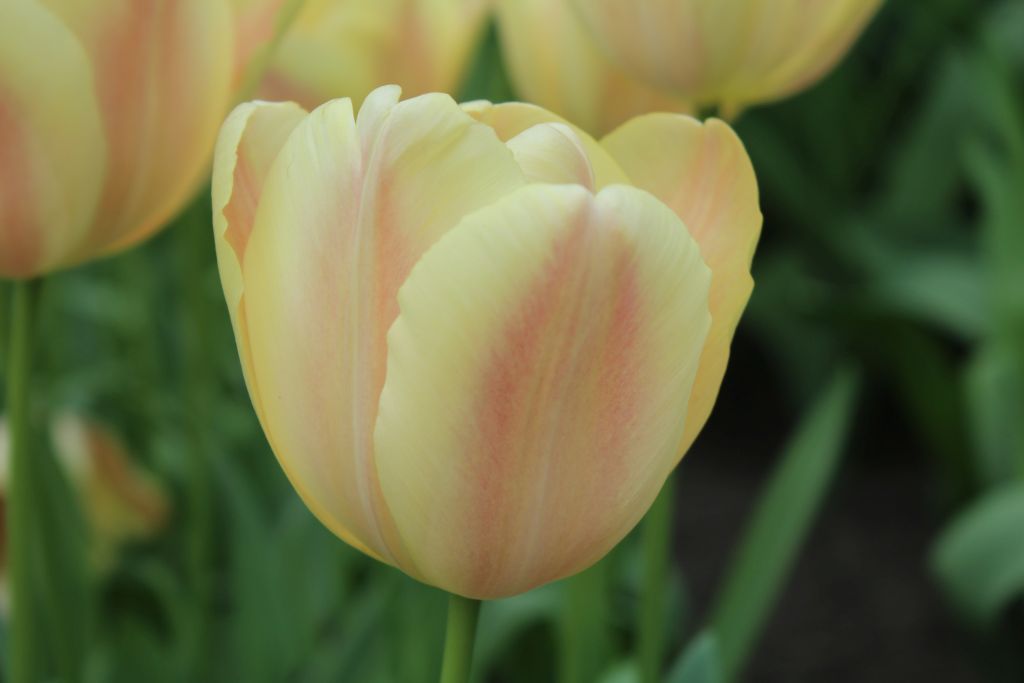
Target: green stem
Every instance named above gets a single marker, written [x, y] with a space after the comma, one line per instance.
[20, 534]
[459, 638]
[657, 537]
[586, 642]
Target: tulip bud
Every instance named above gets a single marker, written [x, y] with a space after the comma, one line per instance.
[107, 112]
[477, 339]
[119, 500]
[553, 61]
[338, 48]
[726, 52]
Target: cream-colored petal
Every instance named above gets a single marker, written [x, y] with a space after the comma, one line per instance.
[248, 145]
[552, 153]
[163, 79]
[553, 61]
[509, 119]
[728, 52]
[52, 158]
[537, 383]
[255, 23]
[344, 48]
[337, 230]
[703, 173]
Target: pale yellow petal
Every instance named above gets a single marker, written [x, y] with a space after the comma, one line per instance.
[248, 145]
[163, 79]
[537, 384]
[338, 228]
[553, 61]
[703, 173]
[509, 119]
[552, 153]
[727, 52]
[344, 48]
[52, 157]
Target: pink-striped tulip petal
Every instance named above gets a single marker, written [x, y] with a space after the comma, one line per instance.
[250, 140]
[702, 172]
[108, 112]
[727, 52]
[537, 373]
[52, 163]
[346, 210]
[553, 60]
[163, 77]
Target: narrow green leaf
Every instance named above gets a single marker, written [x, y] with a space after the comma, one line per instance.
[699, 663]
[979, 558]
[780, 522]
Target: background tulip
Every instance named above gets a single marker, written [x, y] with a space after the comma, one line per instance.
[108, 110]
[119, 500]
[726, 52]
[345, 48]
[553, 61]
[476, 347]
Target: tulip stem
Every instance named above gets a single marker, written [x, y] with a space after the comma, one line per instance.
[19, 520]
[459, 639]
[656, 540]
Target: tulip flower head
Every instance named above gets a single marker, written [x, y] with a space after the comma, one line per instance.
[477, 339]
[553, 61]
[108, 110]
[344, 48]
[731, 53]
[120, 501]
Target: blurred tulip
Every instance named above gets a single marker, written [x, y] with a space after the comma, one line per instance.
[119, 500]
[731, 53]
[553, 61]
[345, 48]
[477, 339]
[108, 111]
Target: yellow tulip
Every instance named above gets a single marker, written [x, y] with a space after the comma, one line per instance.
[553, 61]
[108, 111]
[344, 48]
[477, 339]
[120, 501]
[727, 52]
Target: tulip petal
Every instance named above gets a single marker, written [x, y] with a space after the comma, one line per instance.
[552, 153]
[52, 158]
[249, 142]
[729, 53]
[703, 173]
[537, 382]
[553, 61]
[336, 233]
[163, 75]
[509, 119]
[345, 48]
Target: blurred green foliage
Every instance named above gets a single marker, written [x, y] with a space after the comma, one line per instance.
[894, 242]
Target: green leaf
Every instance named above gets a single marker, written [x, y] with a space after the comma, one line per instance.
[780, 522]
[946, 289]
[979, 558]
[995, 392]
[699, 663]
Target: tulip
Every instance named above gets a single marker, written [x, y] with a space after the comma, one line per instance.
[344, 48]
[108, 111]
[553, 61]
[477, 339]
[120, 501]
[731, 53]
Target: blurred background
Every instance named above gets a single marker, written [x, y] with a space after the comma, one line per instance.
[854, 510]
